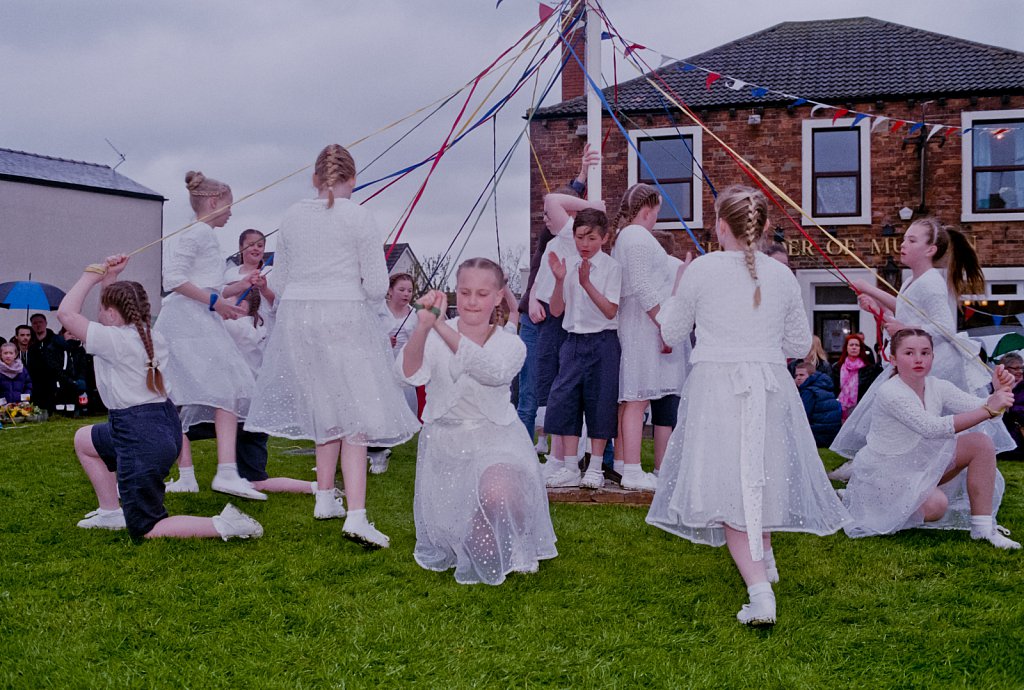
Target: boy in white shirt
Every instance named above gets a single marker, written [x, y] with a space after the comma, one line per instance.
[586, 296]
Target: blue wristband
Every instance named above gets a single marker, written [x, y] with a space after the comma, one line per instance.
[213, 299]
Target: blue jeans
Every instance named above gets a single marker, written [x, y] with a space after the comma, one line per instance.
[527, 408]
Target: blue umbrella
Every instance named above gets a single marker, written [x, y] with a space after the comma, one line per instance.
[29, 294]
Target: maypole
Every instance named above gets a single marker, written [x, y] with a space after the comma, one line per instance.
[592, 62]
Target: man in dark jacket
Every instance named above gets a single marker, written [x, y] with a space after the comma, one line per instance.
[47, 364]
[824, 412]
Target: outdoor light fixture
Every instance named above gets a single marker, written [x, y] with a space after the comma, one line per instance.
[888, 230]
[890, 272]
[906, 213]
[1001, 303]
[779, 234]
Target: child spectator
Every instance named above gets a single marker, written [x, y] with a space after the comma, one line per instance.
[128, 457]
[480, 504]
[586, 296]
[824, 412]
[14, 379]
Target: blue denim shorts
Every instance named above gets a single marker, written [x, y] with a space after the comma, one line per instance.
[587, 385]
[140, 443]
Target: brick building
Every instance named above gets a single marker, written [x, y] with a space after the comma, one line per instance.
[861, 184]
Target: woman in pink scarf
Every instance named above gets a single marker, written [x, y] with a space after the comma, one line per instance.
[856, 370]
[14, 380]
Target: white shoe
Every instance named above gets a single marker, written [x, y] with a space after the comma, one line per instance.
[103, 519]
[379, 461]
[236, 486]
[567, 477]
[181, 486]
[234, 523]
[758, 615]
[542, 445]
[998, 538]
[643, 481]
[328, 506]
[365, 534]
[842, 473]
[593, 480]
[548, 468]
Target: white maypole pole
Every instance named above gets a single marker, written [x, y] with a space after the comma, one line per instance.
[593, 67]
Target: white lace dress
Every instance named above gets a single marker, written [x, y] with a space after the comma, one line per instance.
[204, 368]
[930, 295]
[645, 373]
[909, 447]
[326, 371]
[480, 503]
[400, 328]
[742, 453]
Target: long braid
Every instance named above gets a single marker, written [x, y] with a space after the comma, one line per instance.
[130, 300]
[636, 198]
[334, 164]
[745, 212]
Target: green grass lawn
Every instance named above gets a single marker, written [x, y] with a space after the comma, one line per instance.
[623, 605]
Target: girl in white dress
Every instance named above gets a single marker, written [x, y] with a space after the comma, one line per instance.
[326, 372]
[480, 504]
[650, 370]
[398, 319]
[928, 301]
[911, 472]
[249, 276]
[204, 369]
[742, 462]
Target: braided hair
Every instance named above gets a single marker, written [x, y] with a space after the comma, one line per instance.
[200, 188]
[636, 198]
[129, 299]
[745, 212]
[334, 164]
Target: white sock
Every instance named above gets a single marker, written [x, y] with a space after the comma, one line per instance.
[187, 474]
[632, 470]
[327, 494]
[595, 465]
[356, 517]
[982, 525]
[619, 465]
[760, 591]
[556, 464]
[104, 511]
[228, 470]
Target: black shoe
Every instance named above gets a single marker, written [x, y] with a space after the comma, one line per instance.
[612, 476]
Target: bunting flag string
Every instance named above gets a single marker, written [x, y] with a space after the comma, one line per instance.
[759, 91]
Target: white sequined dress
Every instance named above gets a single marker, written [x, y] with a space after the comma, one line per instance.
[645, 372]
[909, 447]
[205, 367]
[742, 453]
[480, 503]
[954, 362]
[400, 328]
[326, 371]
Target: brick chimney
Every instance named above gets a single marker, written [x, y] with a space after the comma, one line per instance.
[573, 81]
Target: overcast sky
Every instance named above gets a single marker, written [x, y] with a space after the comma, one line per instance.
[250, 91]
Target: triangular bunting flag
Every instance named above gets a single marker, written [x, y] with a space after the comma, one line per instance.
[896, 125]
[953, 130]
[759, 92]
[687, 67]
[878, 122]
[737, 84]
[712, 78]
[799, 101]
[665, 59]
[917, 126]
[965, 132]
[605, 36]
[858, 118]
[997, 319]
[1020, 319]
[968, 313]
[934, 130]
[634, 46]
[544, 11]
[818, 107]
[838, 114]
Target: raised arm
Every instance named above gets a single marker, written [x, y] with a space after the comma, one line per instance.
[559, 207]
[70, 311]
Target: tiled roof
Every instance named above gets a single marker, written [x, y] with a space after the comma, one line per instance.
[400, 248]
[33, 168]
[834, 61]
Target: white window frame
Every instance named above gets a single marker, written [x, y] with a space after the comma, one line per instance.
[967, 119]
[810, 278]
[697, 189]
[807, 163]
